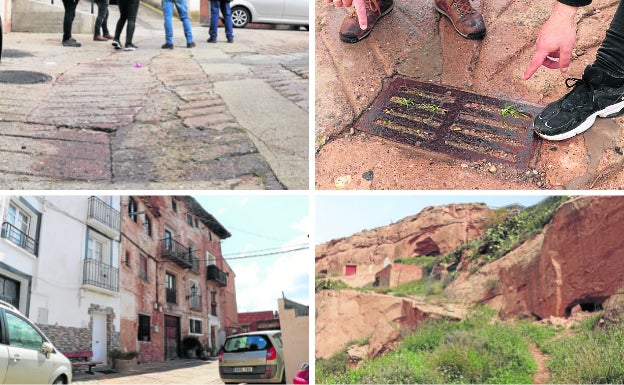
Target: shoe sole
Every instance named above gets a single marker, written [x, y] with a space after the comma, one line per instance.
[607, 112]
[472, 36]
[349, 39]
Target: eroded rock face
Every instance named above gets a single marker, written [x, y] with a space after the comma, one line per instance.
[346, 316]
[434, 231]
[577, 261]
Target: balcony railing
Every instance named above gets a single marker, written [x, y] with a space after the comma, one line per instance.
[19, 238]
[101, 275]
[214, 274]
[175, 251]
[104, 214]
[195, 302]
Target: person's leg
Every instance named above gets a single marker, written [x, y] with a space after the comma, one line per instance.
[68, 19]
[214, 20]
[102, 9]
[227, 19]
[133, 10]
[168, 15]
[123, 17]
[105, 31]
[610, 56]
[184, 17]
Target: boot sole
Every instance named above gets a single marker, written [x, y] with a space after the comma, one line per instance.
[352, 39]
[607, 112]
[472, 36]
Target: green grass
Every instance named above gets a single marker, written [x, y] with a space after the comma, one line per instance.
[588, 357]
[444, 351]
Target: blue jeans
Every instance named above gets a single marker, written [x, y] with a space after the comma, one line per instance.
[180, 5]
[214, 18]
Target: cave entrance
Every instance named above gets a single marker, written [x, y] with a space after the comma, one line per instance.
[588, 304]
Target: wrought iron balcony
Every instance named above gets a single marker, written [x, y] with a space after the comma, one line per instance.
[175, 251]
[215, 274]
[19, 238]
[103, 217]
[100, 275]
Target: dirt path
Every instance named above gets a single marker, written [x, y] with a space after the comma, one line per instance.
[542, 374]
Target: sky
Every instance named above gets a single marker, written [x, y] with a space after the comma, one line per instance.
[340, 215]
[265, 224]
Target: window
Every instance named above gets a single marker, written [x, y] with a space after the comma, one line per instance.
[21, 333]
[196, 223]
[174, 205]
[98, 247]
[20, 226]
[195, 326]
[144, 328]
[168, 237]
[9, 290]
[143, 267]
[94, 249]
[170, 288]
[212, 260]
[189, 219]
[147, 226]
[127, 261]
[132, 209]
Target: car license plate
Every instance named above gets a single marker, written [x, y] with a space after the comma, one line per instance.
[243, 369]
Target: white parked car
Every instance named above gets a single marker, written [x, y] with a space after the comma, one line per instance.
[292, 12]
[26, 355]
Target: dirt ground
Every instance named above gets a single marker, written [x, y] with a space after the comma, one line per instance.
[413, 42]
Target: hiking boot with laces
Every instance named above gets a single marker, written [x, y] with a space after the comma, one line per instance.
[596, 94]
[466, 20]
[350, 30]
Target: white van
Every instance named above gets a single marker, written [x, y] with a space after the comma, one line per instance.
[26, 355]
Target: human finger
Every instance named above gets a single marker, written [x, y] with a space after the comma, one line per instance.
[534, 64]
[360, 10]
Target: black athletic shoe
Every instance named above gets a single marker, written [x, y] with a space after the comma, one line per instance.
[596, 94]
[117, 44]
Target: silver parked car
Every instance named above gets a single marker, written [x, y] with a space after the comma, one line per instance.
[26, 355]
[255, 357]
[293, 12]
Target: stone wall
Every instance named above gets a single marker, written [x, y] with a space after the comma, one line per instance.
[66, 338]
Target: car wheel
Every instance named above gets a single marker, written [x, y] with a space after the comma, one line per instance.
[59, 380]
[240, 17]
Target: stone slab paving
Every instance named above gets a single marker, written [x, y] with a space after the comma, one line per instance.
[149, 118]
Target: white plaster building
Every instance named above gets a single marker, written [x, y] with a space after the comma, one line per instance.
[59, 264]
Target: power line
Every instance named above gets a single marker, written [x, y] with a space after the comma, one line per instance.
[267, 254]
[267, 250]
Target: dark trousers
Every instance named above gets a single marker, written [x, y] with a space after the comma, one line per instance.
[128, 10]
[70, 13]
[101, 22]
[610, 56]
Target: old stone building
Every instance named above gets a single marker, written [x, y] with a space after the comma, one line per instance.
[174, 280]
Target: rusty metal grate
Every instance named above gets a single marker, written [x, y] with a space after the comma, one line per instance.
[457, 123]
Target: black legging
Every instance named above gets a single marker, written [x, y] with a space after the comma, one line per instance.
[610, 56]
[128, 10]
[68, 19]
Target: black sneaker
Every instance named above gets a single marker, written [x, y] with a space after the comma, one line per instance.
[130, 47]
[71, 43]
[117, 44]
[212, 40]
[596, 94]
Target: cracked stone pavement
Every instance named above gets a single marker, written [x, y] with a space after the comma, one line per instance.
[157, 119]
